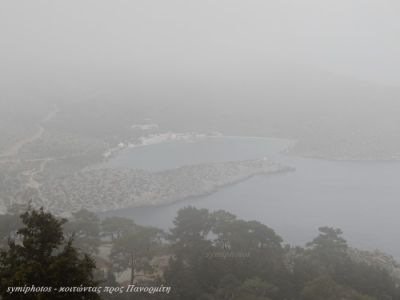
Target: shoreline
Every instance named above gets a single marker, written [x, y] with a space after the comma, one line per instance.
[348, 160]
[283, 170]
[137, 188]
[182, 137]
[195, 137]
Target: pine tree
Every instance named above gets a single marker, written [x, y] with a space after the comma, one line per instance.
[40, 256]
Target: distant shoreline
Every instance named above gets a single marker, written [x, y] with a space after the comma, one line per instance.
[174, 137]
[349, 160]
[283, 170]
[289, 150]
[138, 188]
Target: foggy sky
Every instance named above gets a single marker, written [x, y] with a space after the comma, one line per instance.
[358, 39]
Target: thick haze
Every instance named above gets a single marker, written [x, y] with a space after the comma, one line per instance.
[310, 70]
[41, 40]
[82, 80]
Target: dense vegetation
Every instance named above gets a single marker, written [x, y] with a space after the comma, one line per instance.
[39, 257]
[208, 255]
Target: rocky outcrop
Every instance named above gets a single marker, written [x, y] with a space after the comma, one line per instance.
[109, 189]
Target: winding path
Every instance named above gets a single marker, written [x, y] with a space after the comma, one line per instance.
[10, 155]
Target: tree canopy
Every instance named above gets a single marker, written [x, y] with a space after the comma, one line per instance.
[40, 256]
[205, 256]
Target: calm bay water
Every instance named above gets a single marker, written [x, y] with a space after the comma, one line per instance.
[204, 150]
[362, 198]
